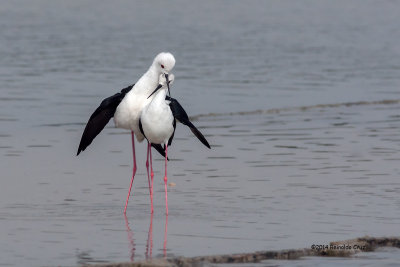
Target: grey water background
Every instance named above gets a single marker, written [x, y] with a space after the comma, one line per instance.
[273, 180]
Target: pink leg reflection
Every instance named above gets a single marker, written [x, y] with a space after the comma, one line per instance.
[130, 239]
[149, 245]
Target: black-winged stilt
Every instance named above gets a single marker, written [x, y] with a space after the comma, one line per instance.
[126, 108]
[158, 122]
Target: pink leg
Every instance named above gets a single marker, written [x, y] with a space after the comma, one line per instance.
[165, 236]
[134, 171]
[148, 177]
[165, 178]
[147, 166]
[152, 176]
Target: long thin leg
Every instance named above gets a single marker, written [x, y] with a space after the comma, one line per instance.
[152, 176]
[133, 172]
[147, 166]
[165, 236]
[165, 178]
[148, 177]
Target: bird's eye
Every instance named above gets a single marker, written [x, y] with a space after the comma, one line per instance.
[162, 66]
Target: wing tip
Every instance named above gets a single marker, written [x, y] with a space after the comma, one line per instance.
[206, 143]
[200, 136]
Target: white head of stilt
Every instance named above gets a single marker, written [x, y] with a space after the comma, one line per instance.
[128, 111]
[163, 81]
[164, 62]
[162, 85]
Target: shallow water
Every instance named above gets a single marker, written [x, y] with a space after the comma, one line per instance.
[273, 180]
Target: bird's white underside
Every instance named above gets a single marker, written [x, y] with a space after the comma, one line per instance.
[157, 119]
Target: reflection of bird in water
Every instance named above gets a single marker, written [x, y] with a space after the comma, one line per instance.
[130, 239]
[149, 244]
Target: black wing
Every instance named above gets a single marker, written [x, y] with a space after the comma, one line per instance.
[100, 117]
[181, 115]
[172, 136]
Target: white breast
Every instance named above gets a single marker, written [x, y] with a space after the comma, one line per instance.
[157, 120]
[129, 110]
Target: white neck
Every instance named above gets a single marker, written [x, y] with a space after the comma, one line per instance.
[159, 98]
[148, 82]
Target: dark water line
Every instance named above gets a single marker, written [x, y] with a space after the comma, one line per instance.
[260, 111]
[302, 108]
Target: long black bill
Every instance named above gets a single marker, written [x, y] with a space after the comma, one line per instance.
[166, 77]
[158, 87]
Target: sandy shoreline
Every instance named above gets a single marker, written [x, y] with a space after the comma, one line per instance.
[345, 248]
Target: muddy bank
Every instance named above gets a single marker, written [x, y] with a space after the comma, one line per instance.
[344, 248]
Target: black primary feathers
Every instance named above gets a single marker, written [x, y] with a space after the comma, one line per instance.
[100, 117]
[180, 114]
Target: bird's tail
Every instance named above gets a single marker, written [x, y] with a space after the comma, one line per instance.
[160, 149]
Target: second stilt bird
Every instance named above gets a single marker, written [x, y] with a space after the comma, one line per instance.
[158, 122]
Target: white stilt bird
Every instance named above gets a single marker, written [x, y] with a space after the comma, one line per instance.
[158, 122]
[127, 106]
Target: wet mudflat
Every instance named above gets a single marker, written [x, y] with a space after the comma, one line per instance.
[272, 180]
[380, 257]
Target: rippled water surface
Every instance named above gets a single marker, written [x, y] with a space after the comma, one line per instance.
[277, 177]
